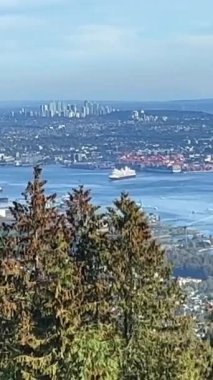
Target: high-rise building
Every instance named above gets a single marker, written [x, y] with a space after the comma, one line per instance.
[44, 110]
[59, 108]
[107, 109]
[90, 106]
[74, 109]
[52, 109]
[84, 112]
[96, 109]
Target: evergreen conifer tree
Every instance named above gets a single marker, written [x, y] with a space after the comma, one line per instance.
[38, 303]
[89, 246]
[158, 343]
[81, 303]
[97, 342]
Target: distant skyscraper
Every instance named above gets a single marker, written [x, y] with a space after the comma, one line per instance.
[42, 113]
[44, 110]
[74, 109]
[95, 109]
[59, 108]
[52, 109]
[83, 112]
[90, 106]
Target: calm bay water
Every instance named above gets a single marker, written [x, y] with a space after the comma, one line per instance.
[180, 199]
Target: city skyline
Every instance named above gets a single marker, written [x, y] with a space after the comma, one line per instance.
[105, 50]
[59, 108]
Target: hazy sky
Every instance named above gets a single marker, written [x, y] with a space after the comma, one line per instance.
[106, 49]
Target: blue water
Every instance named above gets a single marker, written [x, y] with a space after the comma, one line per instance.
[180, 199]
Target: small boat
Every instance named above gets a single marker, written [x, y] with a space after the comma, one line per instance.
[1, 189]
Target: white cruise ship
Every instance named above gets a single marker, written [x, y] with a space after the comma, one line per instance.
[123, 173]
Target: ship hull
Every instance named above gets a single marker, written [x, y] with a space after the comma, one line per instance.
[81, 166]
[157, 169]
[121, 178]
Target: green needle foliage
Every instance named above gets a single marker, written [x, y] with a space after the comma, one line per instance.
[89, 247]
[97, 346]
[157, 341]
[82, 302]
[38, 300]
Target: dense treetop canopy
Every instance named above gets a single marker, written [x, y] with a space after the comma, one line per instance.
[82, 301]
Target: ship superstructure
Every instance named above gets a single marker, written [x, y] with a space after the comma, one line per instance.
[124, 173]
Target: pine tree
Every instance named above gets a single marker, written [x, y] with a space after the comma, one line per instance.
[38, 303]
[157, 341]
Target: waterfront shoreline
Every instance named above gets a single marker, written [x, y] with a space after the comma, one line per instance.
[178, 199]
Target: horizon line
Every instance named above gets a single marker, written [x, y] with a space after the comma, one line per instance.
[107, 100]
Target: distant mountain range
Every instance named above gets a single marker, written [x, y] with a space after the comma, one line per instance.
[203, 105]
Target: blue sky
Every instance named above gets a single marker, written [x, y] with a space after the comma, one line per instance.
[106, 49]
